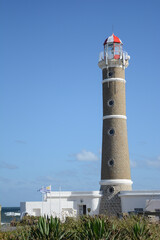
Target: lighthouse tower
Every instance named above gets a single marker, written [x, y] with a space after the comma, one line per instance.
[115, 166]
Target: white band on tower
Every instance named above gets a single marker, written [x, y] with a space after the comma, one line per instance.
[114, 79]
[114, 116]
[116, 182]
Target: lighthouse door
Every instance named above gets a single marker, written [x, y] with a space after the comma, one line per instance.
[82, 210]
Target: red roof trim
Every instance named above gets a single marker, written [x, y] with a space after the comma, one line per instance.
[115, 39]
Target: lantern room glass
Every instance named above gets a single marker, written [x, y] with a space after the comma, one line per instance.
[117, 50]
[113, 51]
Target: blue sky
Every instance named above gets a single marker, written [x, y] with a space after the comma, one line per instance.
[51, 93]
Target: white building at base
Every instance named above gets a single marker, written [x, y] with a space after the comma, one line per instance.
[71, 204]
[64, 204]
[138, 201]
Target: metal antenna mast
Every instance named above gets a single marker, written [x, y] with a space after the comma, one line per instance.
[112, 28]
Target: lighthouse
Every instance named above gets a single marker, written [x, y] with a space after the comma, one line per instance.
[115, 164]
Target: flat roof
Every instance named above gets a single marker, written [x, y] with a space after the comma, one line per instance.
[66, 194]
[139, 193]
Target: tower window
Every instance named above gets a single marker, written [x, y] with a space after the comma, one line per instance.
[111, 190]
[111, 132]
[110, 74]
[110, 102]
[111, 162]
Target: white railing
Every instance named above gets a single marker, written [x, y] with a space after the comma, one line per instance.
[111, 56]
[101, 56]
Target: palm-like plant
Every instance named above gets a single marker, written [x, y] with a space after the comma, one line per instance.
[97, 229]
[50, 229]
[139, 231]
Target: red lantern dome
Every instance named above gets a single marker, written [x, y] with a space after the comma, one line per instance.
[112, 39]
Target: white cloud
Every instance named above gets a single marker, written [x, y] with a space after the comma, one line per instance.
[8, 166]
[133, 164]
[20, 141]
[154, 163]
[86, 156]
[4, 180]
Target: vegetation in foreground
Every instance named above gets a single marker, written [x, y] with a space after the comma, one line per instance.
[84, 228]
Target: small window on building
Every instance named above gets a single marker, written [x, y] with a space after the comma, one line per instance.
[111, 132]
[138, 209]
[110, 102]
[37, 212]
[157, 210]
[111, 162]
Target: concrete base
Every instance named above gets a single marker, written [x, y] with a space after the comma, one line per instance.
[110, 203]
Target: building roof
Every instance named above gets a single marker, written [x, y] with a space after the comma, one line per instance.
[66, 194]
[112, 39]
[139, 193]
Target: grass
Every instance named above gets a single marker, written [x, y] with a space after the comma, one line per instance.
[84, 228]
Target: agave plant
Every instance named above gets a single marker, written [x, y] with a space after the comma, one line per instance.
[97, 229]
[139, 231]
[50, 229]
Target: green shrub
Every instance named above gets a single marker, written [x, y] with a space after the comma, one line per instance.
[84, 228]
[140, 231]
[18, 234]
[50, 229]
[139, 228]
[26, 221]
[95, 228]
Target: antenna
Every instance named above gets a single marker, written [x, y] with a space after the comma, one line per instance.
[112, 28]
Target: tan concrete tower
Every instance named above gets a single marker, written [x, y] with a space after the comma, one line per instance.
[115, 166]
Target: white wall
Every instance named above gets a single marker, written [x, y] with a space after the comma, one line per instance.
[130, 203]
[137, 199]
[152, 205]
[63, 203]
